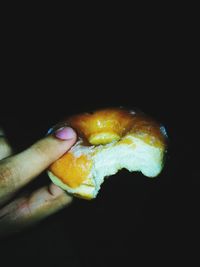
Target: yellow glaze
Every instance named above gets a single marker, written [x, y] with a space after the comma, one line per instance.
[71, 170]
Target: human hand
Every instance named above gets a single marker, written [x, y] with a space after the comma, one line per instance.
[16, 171]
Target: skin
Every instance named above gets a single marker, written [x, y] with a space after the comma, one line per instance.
[16, 171]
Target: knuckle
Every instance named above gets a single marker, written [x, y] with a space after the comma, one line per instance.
[8, 175]
[23, 209]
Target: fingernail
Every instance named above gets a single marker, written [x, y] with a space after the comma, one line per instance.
[65, 133]
[55, 190]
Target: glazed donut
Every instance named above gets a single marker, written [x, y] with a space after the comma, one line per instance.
[108, 140]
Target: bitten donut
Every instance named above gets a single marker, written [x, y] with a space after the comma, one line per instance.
[109, 140]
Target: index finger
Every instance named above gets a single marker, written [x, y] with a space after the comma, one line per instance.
[20, 169]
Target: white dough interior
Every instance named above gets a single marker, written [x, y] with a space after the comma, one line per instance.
[110, 158]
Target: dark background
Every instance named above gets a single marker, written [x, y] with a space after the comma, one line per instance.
[134, 220]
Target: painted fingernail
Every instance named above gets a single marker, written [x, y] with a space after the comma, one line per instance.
[65, 133]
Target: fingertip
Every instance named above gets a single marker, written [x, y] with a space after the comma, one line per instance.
[65, 133]
[55, 190]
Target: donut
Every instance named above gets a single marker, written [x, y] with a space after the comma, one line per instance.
[109, 140]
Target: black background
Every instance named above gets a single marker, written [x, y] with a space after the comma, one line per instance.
[134, 219]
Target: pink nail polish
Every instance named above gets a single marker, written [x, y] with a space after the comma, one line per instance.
[65, 133]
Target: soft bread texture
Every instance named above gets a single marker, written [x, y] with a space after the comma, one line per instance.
[109, 140]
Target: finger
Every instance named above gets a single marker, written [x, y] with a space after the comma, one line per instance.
[5, 148]
[18, 170]
[26, 211]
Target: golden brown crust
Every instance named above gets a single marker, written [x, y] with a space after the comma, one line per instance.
[118, 122]
[115, 122]
[71, 170]
[102, 127]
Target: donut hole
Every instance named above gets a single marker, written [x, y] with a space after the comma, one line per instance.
[103, 138]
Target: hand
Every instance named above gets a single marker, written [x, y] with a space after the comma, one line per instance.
[16, 171]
